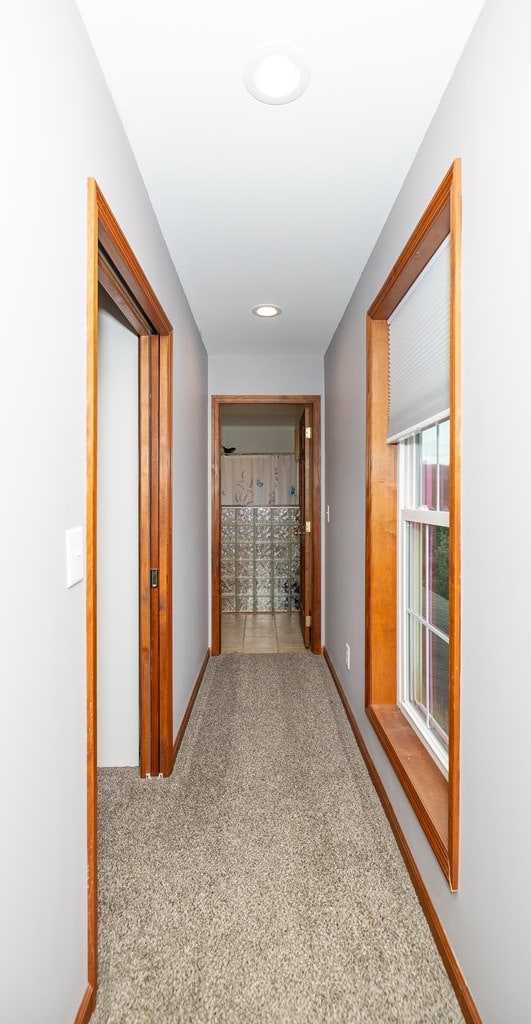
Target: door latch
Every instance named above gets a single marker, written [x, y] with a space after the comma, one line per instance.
[154, 578]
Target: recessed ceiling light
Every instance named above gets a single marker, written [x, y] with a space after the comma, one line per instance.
[277, 72]
[266, 310]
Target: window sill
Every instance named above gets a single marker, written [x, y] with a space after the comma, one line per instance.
[422, 780]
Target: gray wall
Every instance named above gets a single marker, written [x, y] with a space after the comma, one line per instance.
[62, 128]
[265, 375]
[483, 118]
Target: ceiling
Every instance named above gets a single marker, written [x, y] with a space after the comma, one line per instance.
[263, 203]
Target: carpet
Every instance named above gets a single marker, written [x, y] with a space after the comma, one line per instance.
[261, 882]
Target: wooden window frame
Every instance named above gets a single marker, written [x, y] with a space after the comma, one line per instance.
[434, 799]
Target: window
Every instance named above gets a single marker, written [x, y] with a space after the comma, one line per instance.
[423, 586]
[412, 583]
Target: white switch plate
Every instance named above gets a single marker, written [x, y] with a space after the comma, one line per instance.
[328, 513]
[347, 655]
[75, 567]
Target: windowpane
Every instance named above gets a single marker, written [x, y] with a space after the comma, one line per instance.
[416, 663]
[424, 682]
[414, 473]
[438, 656]
[437, 577]
[415, 598]
[444, 465]
[428, 495]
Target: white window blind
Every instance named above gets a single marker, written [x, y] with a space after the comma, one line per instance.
[419, 351]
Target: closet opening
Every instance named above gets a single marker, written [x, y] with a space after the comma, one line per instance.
[129, 515]
[266, 561]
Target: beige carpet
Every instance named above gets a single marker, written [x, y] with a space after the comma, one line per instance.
[261, 883]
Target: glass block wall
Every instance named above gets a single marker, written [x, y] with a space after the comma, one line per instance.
[259, 559]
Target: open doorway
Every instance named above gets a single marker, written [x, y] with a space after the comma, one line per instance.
[266, 560]
[113, 267]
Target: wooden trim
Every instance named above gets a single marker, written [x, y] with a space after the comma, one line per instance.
[431, 230]
[454, 710]
[86, 1006]
[314, 402]
[186, 717]
[380, 529]
[156, 670]
[426, 788]
[166, 556]
[108, 250]
[121, 296]
[267, 399]
[90, 573]
[144, 546]
[305, 542]
[113, 240]
[154, 554]
[424, 784]
[317, 647]
[448, 957]
[215, 458]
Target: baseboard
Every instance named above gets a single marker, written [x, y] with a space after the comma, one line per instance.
[87, 1005]
[453, 970]
[188, 712]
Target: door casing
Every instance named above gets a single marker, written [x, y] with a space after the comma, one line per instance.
[305, 504]
[112, 263]
[313, 404]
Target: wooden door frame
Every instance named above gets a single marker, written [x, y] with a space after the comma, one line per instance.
[313, 402]
[111, 261]
[305, 498]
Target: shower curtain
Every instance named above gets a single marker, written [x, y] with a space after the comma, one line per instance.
[259, 480]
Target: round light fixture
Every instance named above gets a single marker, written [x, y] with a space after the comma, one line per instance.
[277, 72]
[266, 310]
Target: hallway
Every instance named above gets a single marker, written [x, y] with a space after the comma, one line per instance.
[261, 882]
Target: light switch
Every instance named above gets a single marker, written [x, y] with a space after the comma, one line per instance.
[75, 568]
[328, 513]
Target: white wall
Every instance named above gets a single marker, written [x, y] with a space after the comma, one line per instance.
[59, 126]
[118, 589]
[483, 119]
[258, 440]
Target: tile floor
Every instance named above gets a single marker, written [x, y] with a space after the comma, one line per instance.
[261, 633]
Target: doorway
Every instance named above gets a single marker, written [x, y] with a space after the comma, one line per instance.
[118, 734]
[266, 537]
[113, 267]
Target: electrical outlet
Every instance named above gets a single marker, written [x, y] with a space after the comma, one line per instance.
[347, 655]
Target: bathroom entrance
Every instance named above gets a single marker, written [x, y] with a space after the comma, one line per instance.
[266, 524]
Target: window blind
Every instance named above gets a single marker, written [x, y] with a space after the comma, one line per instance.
[419, 351]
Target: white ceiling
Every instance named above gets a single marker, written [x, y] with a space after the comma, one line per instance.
[275, 203]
